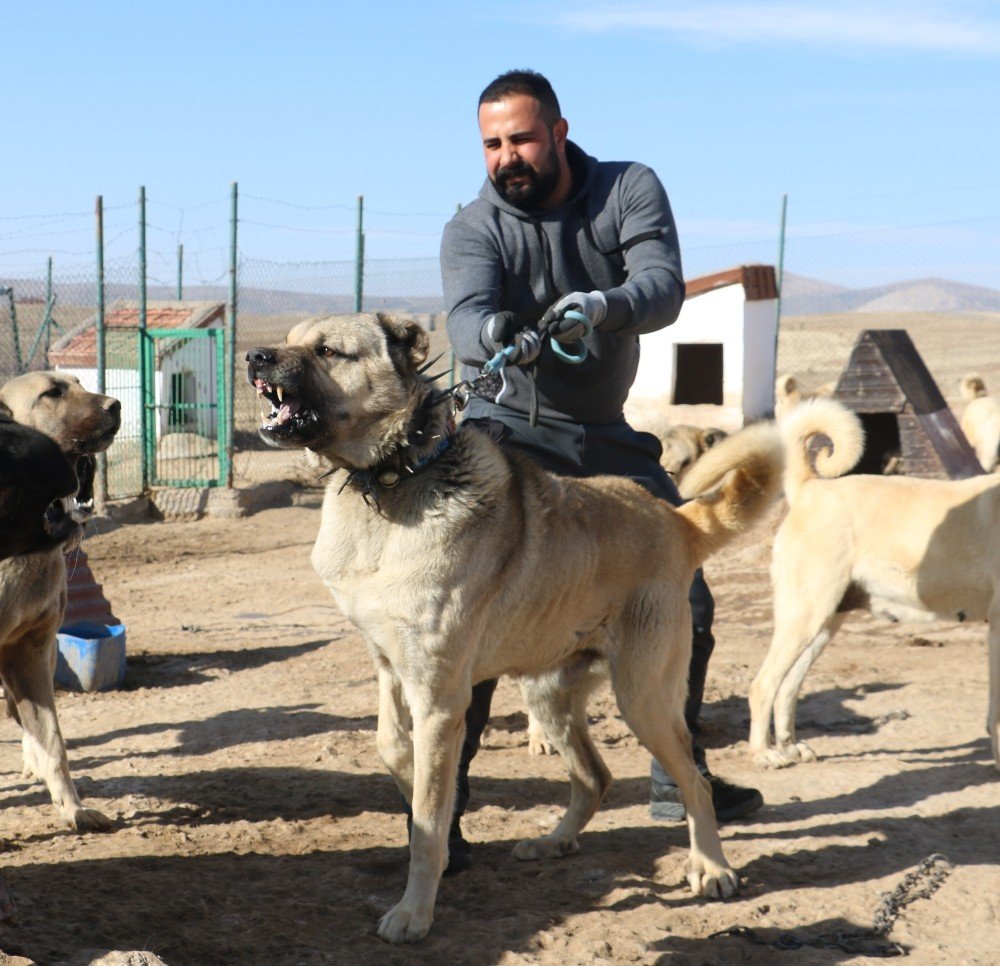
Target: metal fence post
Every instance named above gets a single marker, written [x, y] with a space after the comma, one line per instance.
[147, 377]
[180, 272]
[226, 446]
[779, 279]
[359, 265]
[101, 489]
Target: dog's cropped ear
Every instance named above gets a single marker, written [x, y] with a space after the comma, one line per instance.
[785, 385]
[409, 344]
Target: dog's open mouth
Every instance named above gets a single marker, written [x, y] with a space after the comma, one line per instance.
[289, 417]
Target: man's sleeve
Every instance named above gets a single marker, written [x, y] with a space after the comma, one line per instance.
[471, 278]
[653, 293]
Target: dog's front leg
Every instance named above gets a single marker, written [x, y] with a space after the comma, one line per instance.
[437, 736]
[393, 740]
[27, 675]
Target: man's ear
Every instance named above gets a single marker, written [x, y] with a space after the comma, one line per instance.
[408, 343]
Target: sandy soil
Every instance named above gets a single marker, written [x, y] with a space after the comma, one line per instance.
[257, 824]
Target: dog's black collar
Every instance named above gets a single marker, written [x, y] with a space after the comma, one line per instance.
[400, 465]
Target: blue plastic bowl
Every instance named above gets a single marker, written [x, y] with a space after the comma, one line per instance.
[90, 657]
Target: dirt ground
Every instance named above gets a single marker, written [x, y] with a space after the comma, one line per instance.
[257, 824]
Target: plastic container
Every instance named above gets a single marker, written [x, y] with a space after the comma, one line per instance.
[90, 657]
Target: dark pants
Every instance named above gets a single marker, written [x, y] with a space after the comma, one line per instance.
[570, 449]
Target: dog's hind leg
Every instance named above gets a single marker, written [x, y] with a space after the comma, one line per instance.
[27, 677]
[393, 739]
[651, 699]
[438, 729]
[786, 700]
[558, 700]
[807, 592]
[993, 722]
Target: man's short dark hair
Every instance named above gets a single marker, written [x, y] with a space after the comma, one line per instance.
[528, 82]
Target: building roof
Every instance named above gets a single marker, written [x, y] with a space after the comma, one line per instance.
[78, 348]
[758, 281]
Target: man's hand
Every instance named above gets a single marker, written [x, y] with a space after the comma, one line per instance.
[505, 330]
[592, 304]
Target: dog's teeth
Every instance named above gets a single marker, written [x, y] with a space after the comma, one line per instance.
[260, 392]
[280, 393]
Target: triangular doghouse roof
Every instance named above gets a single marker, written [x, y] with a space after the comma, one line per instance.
[885, 374]
[78, 348]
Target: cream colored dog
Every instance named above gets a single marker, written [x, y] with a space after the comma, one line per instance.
[905, 549]
[33, 586]
[788, 394]
[981, 422]
[459, 561]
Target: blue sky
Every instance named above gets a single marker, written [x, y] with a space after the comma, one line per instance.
[878, 119]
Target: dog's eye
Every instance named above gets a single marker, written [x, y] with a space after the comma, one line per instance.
[330, 353]
[55, 392]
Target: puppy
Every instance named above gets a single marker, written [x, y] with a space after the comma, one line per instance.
[981, 422]
[902, 548]
[33, 585]
[460, 561]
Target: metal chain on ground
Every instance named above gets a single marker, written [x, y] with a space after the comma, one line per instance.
[872, 942]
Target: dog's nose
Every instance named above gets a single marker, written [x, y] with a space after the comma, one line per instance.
[112, 405]
[260, 357]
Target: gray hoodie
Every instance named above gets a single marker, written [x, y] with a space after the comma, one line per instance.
[616, 233]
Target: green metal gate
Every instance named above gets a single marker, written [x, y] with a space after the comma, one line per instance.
[184, 426]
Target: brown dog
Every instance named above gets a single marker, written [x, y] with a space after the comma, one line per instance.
[459, 562]
[981, 422]
[33, 585]
[901, 548]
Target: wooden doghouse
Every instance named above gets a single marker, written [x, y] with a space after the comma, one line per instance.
[904, 414]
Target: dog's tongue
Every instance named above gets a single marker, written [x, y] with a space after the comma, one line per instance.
[288, 410]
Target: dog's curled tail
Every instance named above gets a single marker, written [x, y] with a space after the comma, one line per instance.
[840, 450]
[972, 386]
[732, 485]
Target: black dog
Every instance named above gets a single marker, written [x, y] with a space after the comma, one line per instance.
[34, 476]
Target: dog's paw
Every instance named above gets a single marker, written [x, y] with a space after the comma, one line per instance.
[538, 744]
[403, 924]
[713, 881]
[781, 756]
[88, 820]
[545, 847]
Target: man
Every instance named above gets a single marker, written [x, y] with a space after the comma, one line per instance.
[553, 230]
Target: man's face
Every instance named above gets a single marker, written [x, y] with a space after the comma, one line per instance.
[525, 158]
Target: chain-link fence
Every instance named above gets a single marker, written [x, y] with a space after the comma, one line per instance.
[954, 326]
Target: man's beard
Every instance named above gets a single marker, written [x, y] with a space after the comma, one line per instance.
[536, 187]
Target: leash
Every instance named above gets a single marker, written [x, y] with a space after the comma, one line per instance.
[874, 941]
[488, 384]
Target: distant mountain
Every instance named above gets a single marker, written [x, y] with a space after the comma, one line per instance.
[801, 296]
[809, 296]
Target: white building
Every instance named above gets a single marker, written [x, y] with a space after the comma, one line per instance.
[720, 352]
[186, 393]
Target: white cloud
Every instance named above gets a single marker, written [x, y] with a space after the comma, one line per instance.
[969, 27]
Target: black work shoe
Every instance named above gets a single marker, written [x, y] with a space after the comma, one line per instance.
[729, 801]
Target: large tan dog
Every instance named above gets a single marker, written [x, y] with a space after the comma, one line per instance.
[459, 562]
[33, 586]
[905, 549]
[981, 422]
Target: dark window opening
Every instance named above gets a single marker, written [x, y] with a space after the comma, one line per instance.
[698, 374]
[881, 442]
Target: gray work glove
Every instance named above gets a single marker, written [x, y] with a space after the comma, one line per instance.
[592, 304]
[504, 329]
